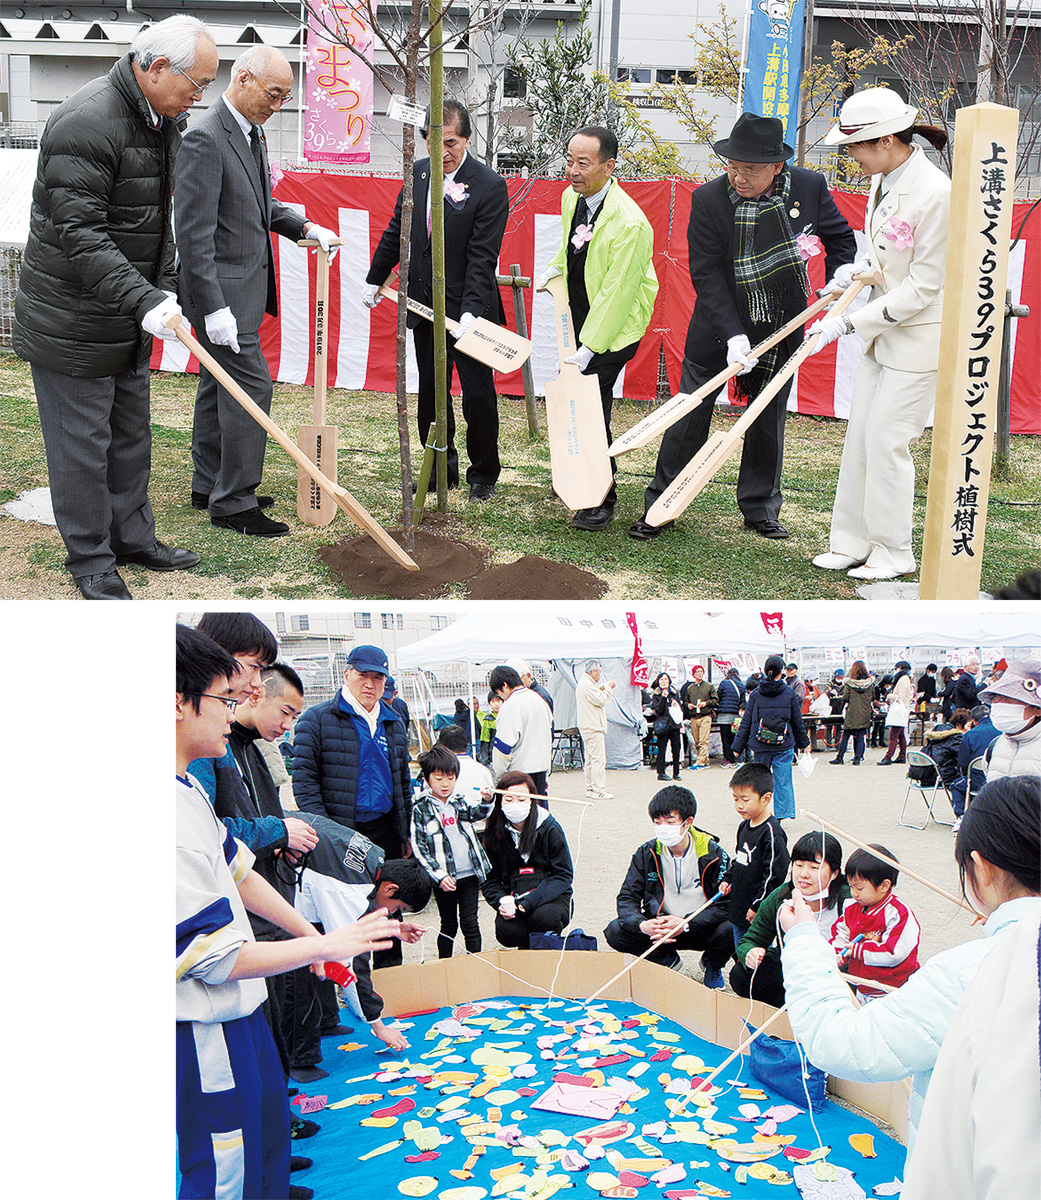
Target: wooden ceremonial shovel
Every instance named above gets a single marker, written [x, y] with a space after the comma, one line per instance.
[720, 446]
[341, 497]
[494, 345]
[318, 441]
[578, 457]
[670, 412]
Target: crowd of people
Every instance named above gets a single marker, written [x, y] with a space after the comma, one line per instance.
[103, 275]
[273, 902]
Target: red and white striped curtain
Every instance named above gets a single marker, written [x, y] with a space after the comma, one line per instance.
[361, 344]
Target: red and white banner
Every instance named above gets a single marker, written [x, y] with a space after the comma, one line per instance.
[361, 344]
[638, 675]
[339, 85]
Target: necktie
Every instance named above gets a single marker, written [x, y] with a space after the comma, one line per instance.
[581, 212]
[258, 156]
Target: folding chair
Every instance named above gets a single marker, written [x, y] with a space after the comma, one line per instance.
[975, 778]
[567, 750]
[927, 791]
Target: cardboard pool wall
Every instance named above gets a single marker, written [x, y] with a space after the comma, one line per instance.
[715, 1016]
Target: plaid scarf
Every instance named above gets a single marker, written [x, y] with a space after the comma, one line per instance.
[769, 272]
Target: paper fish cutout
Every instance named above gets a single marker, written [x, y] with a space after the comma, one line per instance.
[418, 1185]
[381, 1149]
[464, 1193]
[718, 1127]
[863, 1143]
[769, 1174]
[688, 1062]
[608, 1131]
[347, 1047]
[600, 1181]
[888, 1189]
[524, 1071]
[496, 1056]
[768, 1126]
[671, 1174]
[783, 1112]
[425, 1156]
[745, 1151]
[710, 1189]
[632, 1179]
[395, 1110]
[750, 1093]
[621, 1192]
[310, 1104]
[379, 1122]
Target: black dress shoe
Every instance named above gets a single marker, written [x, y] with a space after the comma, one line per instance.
[108, 586]
[643, 532]
[307, 1074]
[768, 528]
[298, 1192]
[593, 518]
[202, 501]
[297, 1162]
[251, 521]
[481, 491]
[161, 558]
[337, 1031]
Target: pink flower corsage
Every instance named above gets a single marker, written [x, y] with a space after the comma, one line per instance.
[455, 191]
[901, 234]
[809, 246]
[277, 174]
[582, 234]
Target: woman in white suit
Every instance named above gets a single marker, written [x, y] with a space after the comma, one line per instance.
[895, 387]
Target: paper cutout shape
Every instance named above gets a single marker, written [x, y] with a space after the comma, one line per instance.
[632, 1179]
[592, 1102]
[888, 1189]
[864, 1144]
[381, 1149]
[310, 1104]
[425, 1156]
[783, 1112]
[842, 1187]
[395, 1110]
[464, 1193]
[418, 1185]
[672, 1174]
[600, 1181]
[379, 1122]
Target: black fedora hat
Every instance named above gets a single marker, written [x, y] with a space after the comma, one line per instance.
[755, 139]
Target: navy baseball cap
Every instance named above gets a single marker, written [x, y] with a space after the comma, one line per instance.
[369, 658]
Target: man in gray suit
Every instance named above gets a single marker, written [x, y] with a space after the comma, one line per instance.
[223, 217]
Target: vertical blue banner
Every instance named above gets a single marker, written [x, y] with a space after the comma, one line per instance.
[775, 34]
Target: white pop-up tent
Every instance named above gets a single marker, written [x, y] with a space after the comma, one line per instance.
[831, 626]
[570, 636]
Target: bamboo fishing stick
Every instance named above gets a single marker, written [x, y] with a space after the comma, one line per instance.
[892, 862]
[680, 923]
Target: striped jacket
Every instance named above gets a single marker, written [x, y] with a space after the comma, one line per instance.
[430, 843]
[888, 950]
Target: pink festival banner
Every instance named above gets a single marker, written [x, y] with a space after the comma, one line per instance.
[339, 85]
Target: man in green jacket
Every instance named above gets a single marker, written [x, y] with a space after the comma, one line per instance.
[605, 258]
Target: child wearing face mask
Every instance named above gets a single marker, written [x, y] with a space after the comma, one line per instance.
[816, 875]
[530, 878]
[676, 873]
[1015, 710]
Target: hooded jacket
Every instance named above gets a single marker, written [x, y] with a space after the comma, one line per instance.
[942, 745]
[775, 702]
[857, 695]
[100, 252]
[642, 894]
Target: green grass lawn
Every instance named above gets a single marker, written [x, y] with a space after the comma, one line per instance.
[707, 555]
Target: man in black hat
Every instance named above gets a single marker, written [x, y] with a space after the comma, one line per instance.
[750, 234]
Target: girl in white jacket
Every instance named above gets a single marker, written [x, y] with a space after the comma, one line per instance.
[998, 851]
[906, 232]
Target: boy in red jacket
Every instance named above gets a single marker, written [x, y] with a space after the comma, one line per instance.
[877, 935]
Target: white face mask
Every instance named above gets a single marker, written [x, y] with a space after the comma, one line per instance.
[516, 811]
[670, 835]
[1010, 718]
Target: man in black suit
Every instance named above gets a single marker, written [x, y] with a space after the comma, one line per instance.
[750, 233]
[225, 215]
[476, 206]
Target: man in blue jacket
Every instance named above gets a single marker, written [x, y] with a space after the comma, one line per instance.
[350, 762]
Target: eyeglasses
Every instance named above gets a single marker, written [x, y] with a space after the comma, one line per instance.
[199, 87]
[227, 701]
[273, 94]
[745, 171]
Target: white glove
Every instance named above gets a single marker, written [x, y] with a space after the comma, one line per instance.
[738, 351]
[548, 274]
[154, 321]
[581, 357]
[843, 277]
[222, 329]
[465, 321]
[829, 328]
[370, 295]
[324, 237]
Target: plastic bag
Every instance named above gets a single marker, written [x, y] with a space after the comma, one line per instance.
[805, 765]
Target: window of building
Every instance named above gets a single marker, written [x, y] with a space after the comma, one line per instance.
[438, 623]
[514, 85]
[672, 75]
[363, 620]
[300, 622]
[634, 74]
[388, 620]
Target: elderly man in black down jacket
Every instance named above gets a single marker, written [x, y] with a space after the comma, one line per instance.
[350, 763]
[750, 234]
[96, 283]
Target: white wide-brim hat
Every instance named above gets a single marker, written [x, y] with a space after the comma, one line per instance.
[871, 114]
